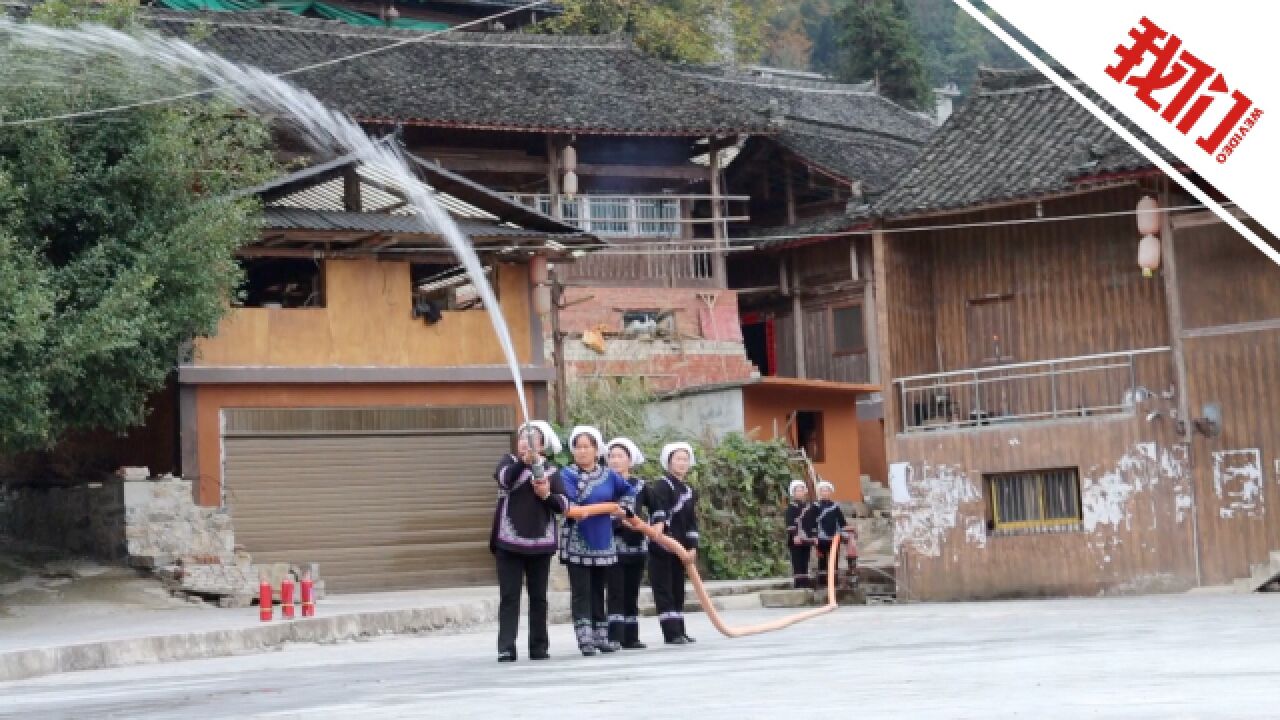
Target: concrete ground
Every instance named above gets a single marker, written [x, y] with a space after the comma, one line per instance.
[1172, 656]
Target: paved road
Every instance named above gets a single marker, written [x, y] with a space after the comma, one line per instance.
[1185, 656]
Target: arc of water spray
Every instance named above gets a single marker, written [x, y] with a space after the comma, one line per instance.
[322, 128]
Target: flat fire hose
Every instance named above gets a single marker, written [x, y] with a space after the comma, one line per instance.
[691, 569]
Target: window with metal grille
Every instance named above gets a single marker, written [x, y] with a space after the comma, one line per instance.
[847, 332]
[1035, 499]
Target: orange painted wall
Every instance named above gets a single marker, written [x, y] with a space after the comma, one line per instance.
[211, 399]
[368, 320]
[841, 463]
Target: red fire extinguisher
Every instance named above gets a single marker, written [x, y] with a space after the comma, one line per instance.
[265, 602]
[308, 596]
[286, 597]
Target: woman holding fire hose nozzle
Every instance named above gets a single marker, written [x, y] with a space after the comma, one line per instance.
[523, 538]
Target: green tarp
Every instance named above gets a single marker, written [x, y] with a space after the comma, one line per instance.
[302, 7]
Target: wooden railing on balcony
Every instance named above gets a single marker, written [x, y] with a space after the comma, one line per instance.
[686, 264]
[632, 216]
[1071, 387]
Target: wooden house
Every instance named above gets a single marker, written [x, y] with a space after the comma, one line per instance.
[806, 292]
[350, 407]
[1057, 422]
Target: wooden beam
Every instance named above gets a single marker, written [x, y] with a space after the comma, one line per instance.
[539, 167]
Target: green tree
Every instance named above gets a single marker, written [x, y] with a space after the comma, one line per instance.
[878, 42]
[117, 236]
[692, 31]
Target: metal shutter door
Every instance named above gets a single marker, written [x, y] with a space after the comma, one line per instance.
[391, 509]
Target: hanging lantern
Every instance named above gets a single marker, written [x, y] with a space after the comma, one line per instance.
[570, 185]
[569, 160]
[538, 269]
[542, 299]
[1148, 216]
[1149, 254]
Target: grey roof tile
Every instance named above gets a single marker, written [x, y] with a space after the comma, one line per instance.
[476, 80]
[1017, 136]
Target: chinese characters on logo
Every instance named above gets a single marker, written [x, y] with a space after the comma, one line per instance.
[1189, 74]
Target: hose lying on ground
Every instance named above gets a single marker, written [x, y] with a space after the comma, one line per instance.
[691, 569]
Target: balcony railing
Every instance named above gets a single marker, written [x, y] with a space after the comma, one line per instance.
[1082, 386]
[648, 264]
[635, 216]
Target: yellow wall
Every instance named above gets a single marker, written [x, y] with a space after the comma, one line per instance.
[368, 320]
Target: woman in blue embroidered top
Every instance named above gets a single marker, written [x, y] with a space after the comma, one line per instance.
[523, 539]
[672, 504]
[586, 545]
[632, 548]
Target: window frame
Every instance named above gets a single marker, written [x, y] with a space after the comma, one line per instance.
[831, 328]
[1042, 523]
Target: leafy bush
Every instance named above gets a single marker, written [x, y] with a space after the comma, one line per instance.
[741, 483]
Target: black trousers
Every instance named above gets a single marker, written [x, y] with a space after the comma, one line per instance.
[586, 602]
[531, 572]
[666, 577]
[800, 565]
[624, 599]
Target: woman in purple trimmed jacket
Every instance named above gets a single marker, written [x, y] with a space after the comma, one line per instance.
[525, 536]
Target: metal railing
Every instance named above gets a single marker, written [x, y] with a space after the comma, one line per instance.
[1080, 386]
[633, 216]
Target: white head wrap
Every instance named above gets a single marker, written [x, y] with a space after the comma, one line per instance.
[824, 485]
[549, 440]
[795, 484]
[637, 457]
[587, 430]
[671, 448]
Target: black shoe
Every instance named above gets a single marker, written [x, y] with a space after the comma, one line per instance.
[689, 640]
[539, 656]
[634, 645]
[588, 650]
[677, 641]
[507, 656]
[609, 647]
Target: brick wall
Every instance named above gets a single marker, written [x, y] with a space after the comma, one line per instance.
[606, 303]
[708, 351]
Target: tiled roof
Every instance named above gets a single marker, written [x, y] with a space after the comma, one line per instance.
[852, 107]
[476, 80]
[313, 199]
[874, 160]
[1017, 136]
[808, 230]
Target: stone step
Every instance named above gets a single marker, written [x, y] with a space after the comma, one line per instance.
[791, 598]
[723, 603]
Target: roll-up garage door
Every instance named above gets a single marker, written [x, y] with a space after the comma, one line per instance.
[381, 498]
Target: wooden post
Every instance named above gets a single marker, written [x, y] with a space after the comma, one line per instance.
[557, 348]
[1173, 298]
[880, 286]
[719, 272]
[790, 192]
[553, 176]
[351, 201]
[797, 320]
